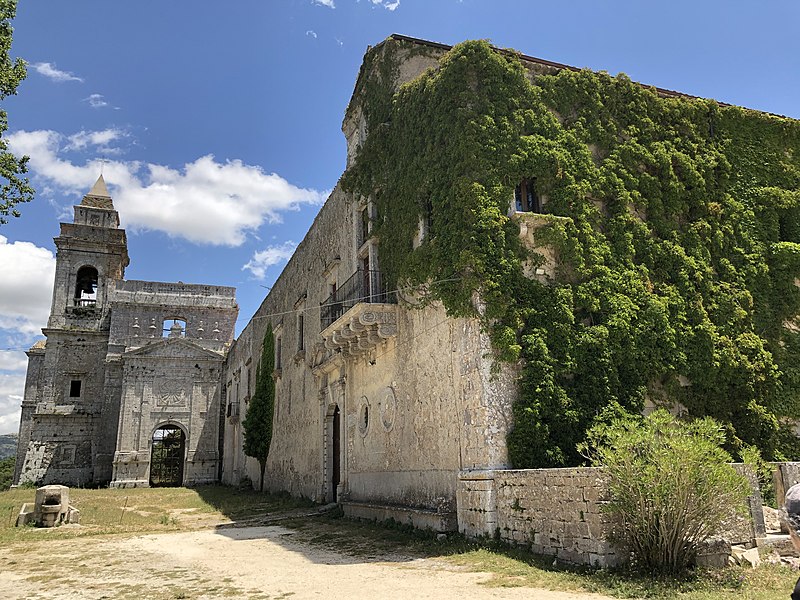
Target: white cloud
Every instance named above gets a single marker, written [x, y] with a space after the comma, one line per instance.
[96, 101]
[12, 386]
[328, 3]
[311, 33]
[101, 139]
[206, 202]
[27, 273]
[265, 259]
[50, 71]
[387, 4]
[13, 360]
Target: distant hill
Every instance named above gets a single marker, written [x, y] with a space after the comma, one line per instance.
[8, 445]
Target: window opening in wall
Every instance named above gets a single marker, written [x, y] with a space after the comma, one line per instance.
[278, 352]
[75, 388]
[86, 287]
[525, 197]
[366, 289]
[173, 328]
[363, 417]
[364, 226]
[301, 344]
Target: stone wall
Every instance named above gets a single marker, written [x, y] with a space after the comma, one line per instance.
[559, 512]
[417, 399]
[555, 512]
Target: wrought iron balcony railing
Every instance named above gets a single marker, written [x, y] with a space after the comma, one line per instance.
[363, 286]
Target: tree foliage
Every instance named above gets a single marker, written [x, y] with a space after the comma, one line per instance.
[670, 485]
[14, 188]
[7, 466]
[258, 421]
[675, 222]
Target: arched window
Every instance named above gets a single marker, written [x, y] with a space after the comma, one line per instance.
[86, 286]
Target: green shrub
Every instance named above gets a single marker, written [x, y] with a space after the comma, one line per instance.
[671, 486]
[7, 472]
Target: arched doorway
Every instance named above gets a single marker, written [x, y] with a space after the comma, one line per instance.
[166, 456]
[336, 470]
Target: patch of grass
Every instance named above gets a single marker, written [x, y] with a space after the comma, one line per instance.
[139, 510]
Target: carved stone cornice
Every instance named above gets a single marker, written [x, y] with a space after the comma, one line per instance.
[361, 328]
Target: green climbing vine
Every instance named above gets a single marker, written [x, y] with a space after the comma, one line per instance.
[678, 242]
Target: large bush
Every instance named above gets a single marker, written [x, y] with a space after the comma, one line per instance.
[671, 485]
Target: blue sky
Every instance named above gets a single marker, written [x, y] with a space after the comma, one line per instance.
[219, 123]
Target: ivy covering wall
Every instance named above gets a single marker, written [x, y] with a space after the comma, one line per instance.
[678, 239]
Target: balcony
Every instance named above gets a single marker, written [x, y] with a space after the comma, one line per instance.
[363, 286]
[359, 315]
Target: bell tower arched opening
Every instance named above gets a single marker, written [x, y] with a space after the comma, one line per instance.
[86, 286]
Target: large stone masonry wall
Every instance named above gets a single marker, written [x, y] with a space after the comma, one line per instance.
[559, 512]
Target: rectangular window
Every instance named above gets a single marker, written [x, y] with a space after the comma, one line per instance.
[301, 344]
[364, 226]
[75, 388]
[525, 197]
[277, 352]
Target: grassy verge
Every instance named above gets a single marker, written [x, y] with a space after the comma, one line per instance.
[141, 510]
[512, 567]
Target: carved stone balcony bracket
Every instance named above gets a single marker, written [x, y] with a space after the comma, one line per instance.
[361, 328]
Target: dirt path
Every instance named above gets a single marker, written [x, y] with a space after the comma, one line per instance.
[245, 562]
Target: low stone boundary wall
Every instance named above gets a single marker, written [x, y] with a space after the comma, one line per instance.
[556, 512]
[440, 522]
[559, 512]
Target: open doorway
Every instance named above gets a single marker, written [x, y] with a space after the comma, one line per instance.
[166, 457]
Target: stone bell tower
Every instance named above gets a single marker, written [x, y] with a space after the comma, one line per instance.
[92, 251]
[68, 415]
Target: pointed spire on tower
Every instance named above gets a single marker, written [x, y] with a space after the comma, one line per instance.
[98, 196]
[99, 188]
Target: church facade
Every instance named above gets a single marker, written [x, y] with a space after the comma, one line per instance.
[125, 390]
